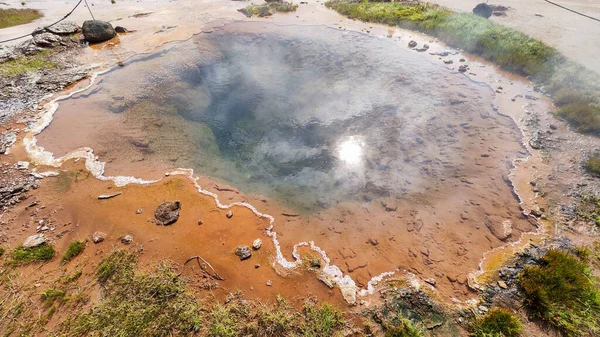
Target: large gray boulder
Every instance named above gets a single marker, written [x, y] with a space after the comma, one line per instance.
[483, 10]
[97, 31]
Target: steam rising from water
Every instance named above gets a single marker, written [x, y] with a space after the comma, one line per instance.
[308, 116]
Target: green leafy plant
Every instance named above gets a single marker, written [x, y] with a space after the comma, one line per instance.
[401, 327]
[321, 320]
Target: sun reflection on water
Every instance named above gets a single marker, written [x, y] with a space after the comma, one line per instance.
[351, 151]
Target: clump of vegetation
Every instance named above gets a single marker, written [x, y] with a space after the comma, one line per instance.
[25, 64]
[401, 327]
[49, 296]
[138, 304]
[1, 251]
[321, 320]
[592, 165]
[588, 209]
[41, 253]
[510, 49]
[498, 322]
[120, 263]
[14, 17]
[75, 248]
[269, 9]
[562, 291]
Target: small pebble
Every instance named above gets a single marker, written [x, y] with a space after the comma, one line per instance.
[269, 283]
[200, 222]
[229, 214]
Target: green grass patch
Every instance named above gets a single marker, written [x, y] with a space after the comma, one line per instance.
[50, 296]
[562, 291]
[570, 83]
[119, 264]
[592, 165]
[75, 248]
[41, 253]
[25, 64]
[1, 251]
[14, 17]
[138, 303]
[498, 322]
[321, 320]
[401, 327]
[269, 9]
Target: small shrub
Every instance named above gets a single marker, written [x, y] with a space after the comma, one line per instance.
[1, 251]
[72, 277]
[41, 253]
[562, 292]
[14, 17]
[275, 321]
[584, 117]
[321, 321]
[497, 323]
[75, 248]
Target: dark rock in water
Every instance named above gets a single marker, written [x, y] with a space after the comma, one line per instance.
[167, 213]
[64, 28]
[463, 68]
[412, 44]
[120, 29]
[243, 252]
[98, 31]
[484, 10]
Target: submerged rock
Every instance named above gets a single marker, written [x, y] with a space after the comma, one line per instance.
[484, 10]
[167, 213]
[35, 240]
[243, 252]
[98, 31]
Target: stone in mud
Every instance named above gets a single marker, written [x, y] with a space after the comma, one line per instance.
[412, 44]
[120, 29]
[484, 10]
[269, 283]
[98, 237]
[64, 28]
[389, 205]
[98, 31]
[108, 196]
[243, 252]
[127, 239]
[35, 240]
[229, 214]
[46, 40]
[167, 213]
[430, 281]
[502, 284]
[463, 68]
[257, 244]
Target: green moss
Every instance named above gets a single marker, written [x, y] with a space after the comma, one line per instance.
[25, 64]
[14, 17]
[75, 248]
[321, 320]
[401, 327]
[1, 251]
[497, 323]
[40, 253]
[562, 292]
[592, 165]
